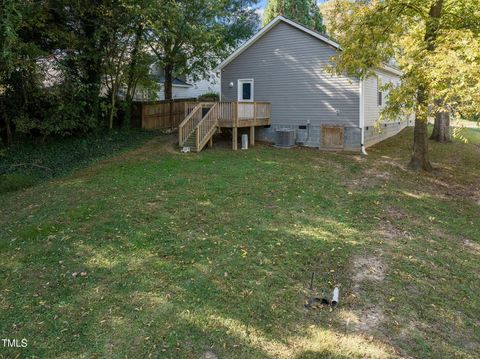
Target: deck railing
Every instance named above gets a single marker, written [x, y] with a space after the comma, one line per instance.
[189, 123]
[262, 110]
[238, 111]
[206, 127]
[200, 124]
[226, 110]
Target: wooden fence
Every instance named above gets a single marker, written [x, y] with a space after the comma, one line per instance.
[161, 115]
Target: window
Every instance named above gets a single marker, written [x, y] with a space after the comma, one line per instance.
[380, 98]
[379, 92]
[245, 90]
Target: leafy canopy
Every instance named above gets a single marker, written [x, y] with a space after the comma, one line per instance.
[447, 68]
[191, 36]
[305, 12]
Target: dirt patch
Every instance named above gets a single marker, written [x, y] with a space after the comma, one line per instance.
[368, 269]
[370, 319]
[395, 213]
[471, 245]
[388, 231]
[209, 355]
[369, 179]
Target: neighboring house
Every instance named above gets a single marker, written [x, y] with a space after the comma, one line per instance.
[284, 64]
[182, 86]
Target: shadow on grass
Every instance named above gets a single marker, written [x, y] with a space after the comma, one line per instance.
[213, 252]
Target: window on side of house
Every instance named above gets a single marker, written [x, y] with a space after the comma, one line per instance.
[379, 92]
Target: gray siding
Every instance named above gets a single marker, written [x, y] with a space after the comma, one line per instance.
[288, 68]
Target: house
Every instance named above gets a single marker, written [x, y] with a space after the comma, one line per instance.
[285, 64]
[183, 87]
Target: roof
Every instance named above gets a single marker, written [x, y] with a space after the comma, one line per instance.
[272, 24]
[175, 82]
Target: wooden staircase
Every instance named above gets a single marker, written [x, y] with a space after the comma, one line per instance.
[197, 130]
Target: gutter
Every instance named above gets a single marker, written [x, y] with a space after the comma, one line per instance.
[361, 91]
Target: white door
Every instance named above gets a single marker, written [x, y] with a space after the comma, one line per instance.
[245, 90]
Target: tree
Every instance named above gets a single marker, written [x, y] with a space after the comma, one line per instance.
[306, 12]
[9, 20]
[189, 37]
[441, 127]
[60, 59]
[427, 38]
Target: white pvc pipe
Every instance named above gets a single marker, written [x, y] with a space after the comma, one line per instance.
[361, 121]
[335, 296]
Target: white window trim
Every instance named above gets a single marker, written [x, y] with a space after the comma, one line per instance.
[239, 93]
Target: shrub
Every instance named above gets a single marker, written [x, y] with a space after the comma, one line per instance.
[209, 96]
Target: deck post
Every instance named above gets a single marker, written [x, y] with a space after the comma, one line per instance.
[234, 127]
[210, 142]
[234, 139]
[252, 136]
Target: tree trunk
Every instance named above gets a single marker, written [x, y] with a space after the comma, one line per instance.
[167, 86]
[131, 78]
[112, 107]
[420, 157]
[168, 91]
[441, 128]
[8, 133]
[93, 52]
[8, 138]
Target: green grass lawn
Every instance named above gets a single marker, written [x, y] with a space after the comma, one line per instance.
[157, 254]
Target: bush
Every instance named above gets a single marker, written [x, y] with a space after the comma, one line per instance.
[209, 96]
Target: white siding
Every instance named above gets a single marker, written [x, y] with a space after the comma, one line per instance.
[372, 110]
[209, 85]
[376, 130]
[177, 92]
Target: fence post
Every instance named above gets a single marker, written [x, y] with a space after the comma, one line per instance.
[170, 113]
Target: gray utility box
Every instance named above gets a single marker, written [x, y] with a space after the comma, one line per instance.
[285, 137]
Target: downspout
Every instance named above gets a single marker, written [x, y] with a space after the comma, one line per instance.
[361, 91]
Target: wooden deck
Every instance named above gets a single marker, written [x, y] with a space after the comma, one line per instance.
[244, 114]
[203, 118]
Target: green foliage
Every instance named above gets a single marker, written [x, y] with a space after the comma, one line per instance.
[209, 96]
[189, 37]
[447, 67]
[25, 162]
[436, 45]
[306, 12]
[60, 60]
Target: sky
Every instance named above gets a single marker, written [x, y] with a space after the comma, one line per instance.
[262, 3]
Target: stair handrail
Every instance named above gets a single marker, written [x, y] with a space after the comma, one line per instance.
[189, 124]
[206, 127]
